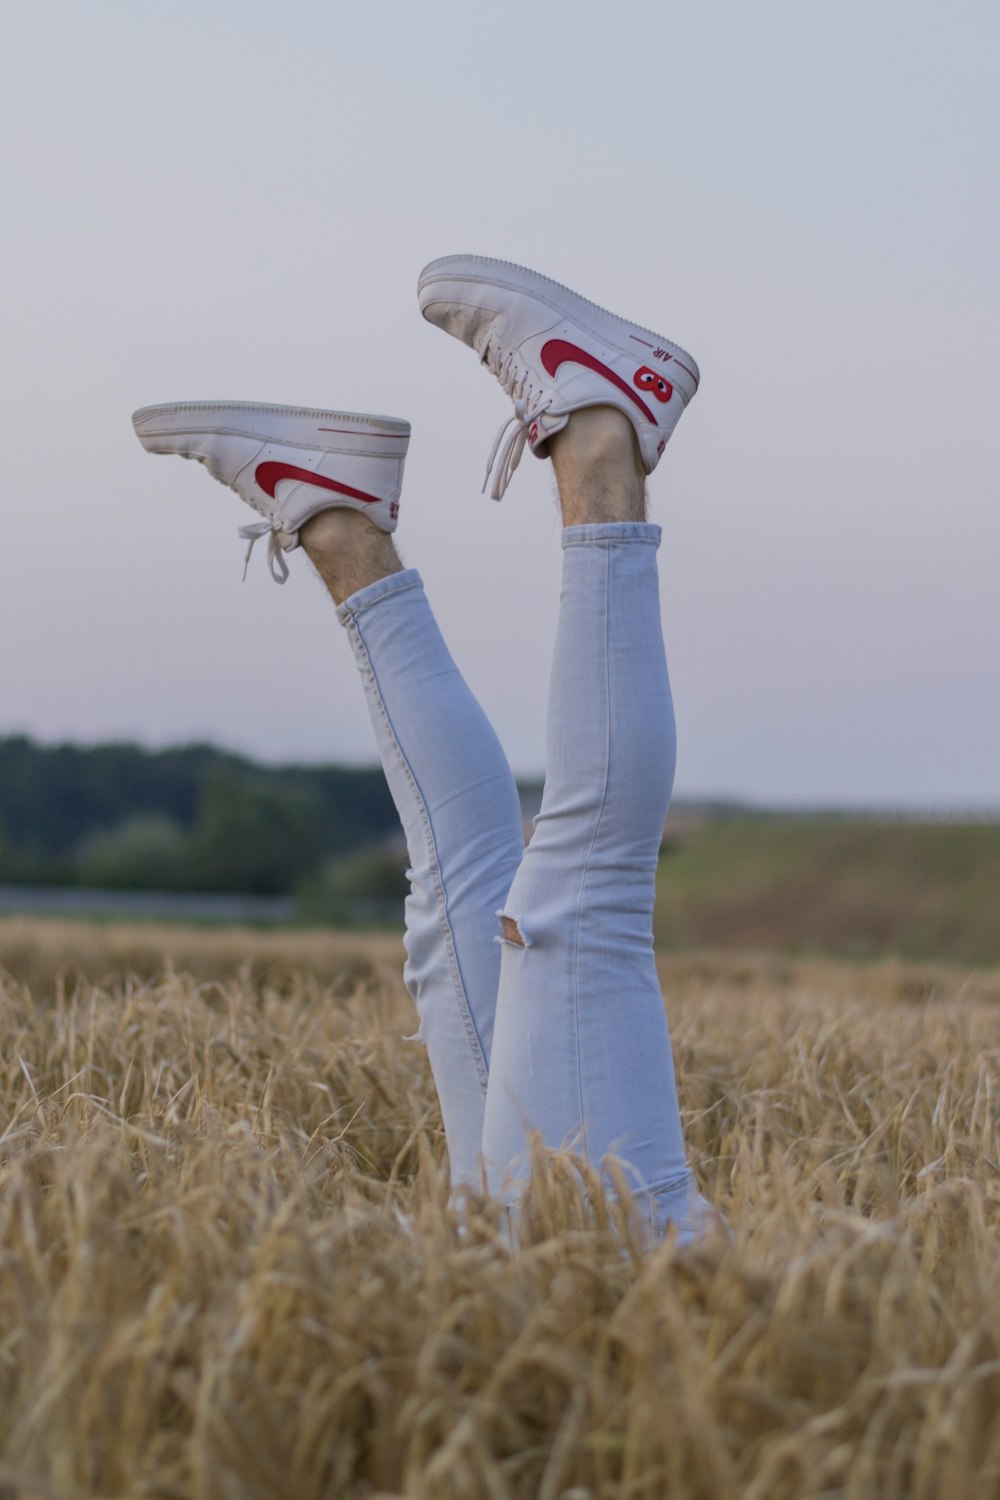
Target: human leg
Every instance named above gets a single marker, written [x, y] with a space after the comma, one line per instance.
[458, 805]
[581, 1053]
[581, 1049]
[321, 479]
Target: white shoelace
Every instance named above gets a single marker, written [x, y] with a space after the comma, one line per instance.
[275, 554]
[510, 440]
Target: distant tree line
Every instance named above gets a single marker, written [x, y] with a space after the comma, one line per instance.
[192, 818]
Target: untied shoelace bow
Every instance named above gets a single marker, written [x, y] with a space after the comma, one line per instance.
[528, 405]
[275, 554]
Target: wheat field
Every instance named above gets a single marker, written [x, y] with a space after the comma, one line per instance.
[229, 1267]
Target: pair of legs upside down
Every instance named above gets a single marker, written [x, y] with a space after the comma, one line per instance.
[532, 969]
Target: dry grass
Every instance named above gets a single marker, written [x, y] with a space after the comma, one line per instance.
[228, 1267]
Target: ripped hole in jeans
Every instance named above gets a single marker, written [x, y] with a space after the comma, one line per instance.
[510, 932]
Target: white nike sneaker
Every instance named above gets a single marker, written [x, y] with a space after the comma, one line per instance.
[554, 352]
[288, 462]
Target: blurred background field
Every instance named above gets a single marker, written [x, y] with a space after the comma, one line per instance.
[228, 1263]
[849, 885]
[198, 833]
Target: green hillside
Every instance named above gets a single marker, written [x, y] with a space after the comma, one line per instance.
[836, 885]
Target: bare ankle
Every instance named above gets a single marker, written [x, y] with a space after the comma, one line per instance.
[598, 468]
[348, 551]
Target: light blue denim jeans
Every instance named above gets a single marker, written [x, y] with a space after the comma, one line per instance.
[559, 1027]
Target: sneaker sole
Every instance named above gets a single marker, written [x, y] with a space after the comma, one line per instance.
[296, 425]
[604, 325]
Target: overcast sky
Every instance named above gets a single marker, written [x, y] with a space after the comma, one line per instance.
[232, 199]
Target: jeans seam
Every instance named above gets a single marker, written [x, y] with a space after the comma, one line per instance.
[593, 842]
[440, 892]
[668, 1184]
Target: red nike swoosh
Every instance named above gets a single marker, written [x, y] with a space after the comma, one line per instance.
[270, 475]
[557, 352]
